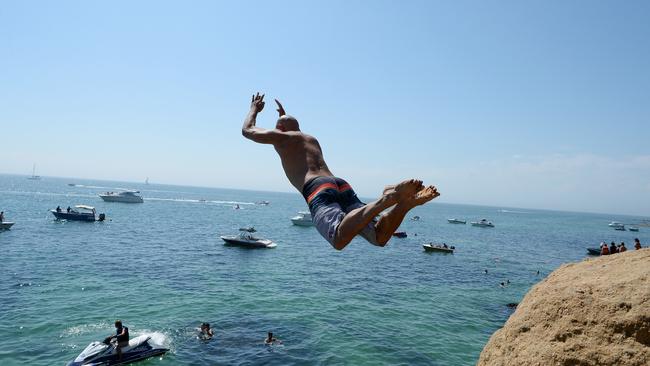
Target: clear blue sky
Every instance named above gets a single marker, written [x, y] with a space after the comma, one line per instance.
[540, 104]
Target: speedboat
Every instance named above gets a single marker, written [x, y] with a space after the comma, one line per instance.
[415, 218]
[400, 234]
[85, 213]
[633, 228]
[100, 353]
[442, 248]
[620, 228]
[593, 251]
[247, 240]
[6, 225]
[482, 223]
[263, 203]
[616, 224]
[303, 219]
[456, 221]
[124, 196]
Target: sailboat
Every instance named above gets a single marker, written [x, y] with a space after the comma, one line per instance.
[34, 176]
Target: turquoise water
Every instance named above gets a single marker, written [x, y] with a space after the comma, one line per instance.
[161, 267]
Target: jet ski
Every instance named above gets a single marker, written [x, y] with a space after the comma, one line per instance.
[102, 354]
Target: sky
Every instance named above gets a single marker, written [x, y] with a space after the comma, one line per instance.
[535, 104]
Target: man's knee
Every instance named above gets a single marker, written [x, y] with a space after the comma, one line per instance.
[341, 242]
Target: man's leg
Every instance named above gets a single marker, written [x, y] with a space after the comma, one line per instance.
[355, 220]
[392, 220]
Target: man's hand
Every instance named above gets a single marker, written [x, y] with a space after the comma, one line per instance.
[280, 109]
[257, 103]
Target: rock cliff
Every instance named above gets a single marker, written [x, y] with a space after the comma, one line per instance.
[596, 312]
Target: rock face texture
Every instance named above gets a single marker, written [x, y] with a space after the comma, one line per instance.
[596, 312]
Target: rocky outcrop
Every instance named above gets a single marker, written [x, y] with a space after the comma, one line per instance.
[596, 312]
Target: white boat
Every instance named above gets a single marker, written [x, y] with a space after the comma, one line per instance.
[6, 225]
[616, 224]
[482, 223]
[34, 176]
[303, 219]
[125, 196]
[443, 248]
[456, 221]
[247, 240]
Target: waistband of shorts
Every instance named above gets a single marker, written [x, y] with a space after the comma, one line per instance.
[312, 188]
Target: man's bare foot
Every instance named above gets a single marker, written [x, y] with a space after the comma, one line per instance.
[408, 188]
[425, 195]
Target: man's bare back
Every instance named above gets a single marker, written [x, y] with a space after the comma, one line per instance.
[301, 154]
[337, 212]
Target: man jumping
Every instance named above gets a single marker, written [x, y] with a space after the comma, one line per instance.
[336, 211]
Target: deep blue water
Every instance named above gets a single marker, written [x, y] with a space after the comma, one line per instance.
[161, 267]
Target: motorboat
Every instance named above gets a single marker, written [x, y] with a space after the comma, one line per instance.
[633, 228]
[593, 251]
[263, 203]
[482, 223]
[619, 228]
[616, 224]
[400, 234]
[100, 353]
[303, 219]
[247, 240]
[124, 196]
[415, 218]
[6, 225]
[84, 213]
[442, 248]
[456, 221]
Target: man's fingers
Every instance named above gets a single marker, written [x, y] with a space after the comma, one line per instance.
[262, 97]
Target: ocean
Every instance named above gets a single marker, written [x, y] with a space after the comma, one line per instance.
[161, 267]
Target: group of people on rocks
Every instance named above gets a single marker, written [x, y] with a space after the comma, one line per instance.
[613, 248]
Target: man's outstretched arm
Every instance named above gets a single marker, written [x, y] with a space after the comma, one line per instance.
[258, 134]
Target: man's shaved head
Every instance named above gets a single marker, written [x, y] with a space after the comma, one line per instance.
[287, 123]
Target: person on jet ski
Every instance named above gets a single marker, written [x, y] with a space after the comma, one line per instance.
[121, 336]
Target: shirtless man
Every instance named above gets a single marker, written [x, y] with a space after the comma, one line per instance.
[336, 211]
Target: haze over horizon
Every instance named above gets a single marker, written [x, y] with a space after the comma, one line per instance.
[520, 104]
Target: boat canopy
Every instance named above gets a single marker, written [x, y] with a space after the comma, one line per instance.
[84, 207]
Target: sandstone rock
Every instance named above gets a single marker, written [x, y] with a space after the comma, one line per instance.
[596, 312]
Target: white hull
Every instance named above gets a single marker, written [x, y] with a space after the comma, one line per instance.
[257, 243]
[6, 225]
[301, 222]
[124, 199]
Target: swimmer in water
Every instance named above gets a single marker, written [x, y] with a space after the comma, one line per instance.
[206, 332]
[270, 340]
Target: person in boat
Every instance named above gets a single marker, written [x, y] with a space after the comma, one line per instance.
[612, 248]
[206, 332]
[2, 216]
[637, 244]
[58, 208]
[622, 248]
[604, 250]
[121, 336]
[68, 209]
[336, 211]
[271, 340]
[444, 245]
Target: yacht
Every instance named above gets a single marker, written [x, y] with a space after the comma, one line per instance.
[616, 224]
[125, 196]
[456, 221]
[482, 223]
[303, 219]
[247, 240]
